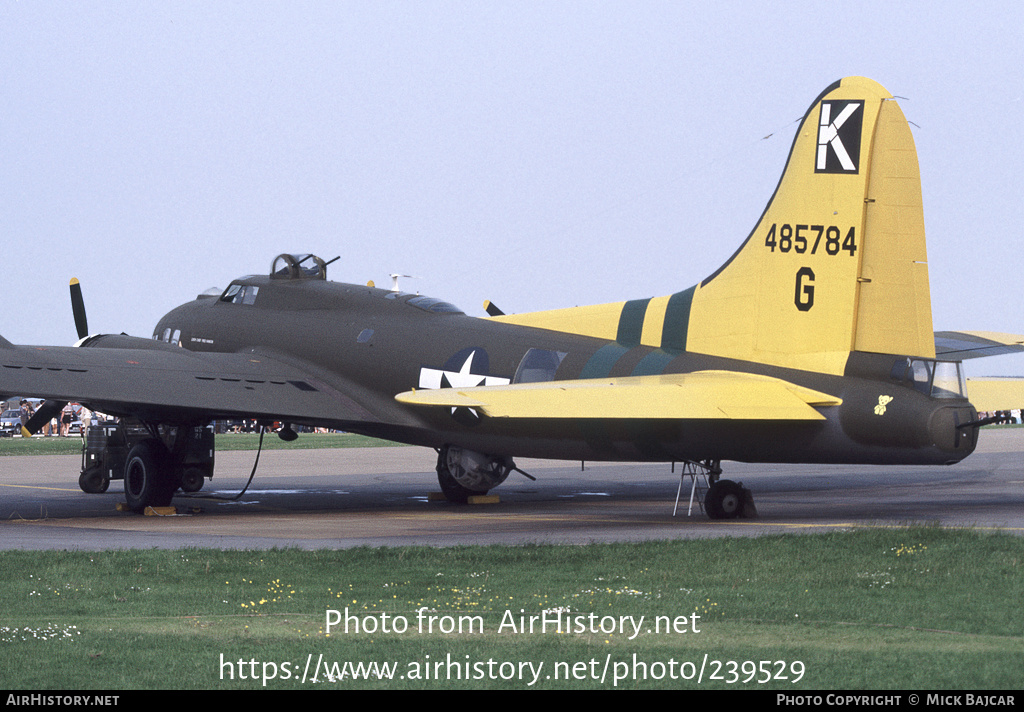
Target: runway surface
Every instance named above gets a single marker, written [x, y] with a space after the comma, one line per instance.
[338, 498]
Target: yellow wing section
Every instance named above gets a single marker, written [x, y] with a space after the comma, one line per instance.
[836, 263]
[988, 395]
[704, 395]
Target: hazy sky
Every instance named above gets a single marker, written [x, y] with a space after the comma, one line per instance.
[538, 154]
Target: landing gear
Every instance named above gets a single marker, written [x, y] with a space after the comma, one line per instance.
[464, 473]
[147, 476]
[724, 500]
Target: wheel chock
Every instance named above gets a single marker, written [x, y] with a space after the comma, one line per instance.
[160, 511]
[472, 499]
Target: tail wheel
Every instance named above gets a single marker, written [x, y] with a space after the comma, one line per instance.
[724, 500]
[147, 476]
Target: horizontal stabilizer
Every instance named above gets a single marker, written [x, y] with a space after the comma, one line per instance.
[988, 395]
[716, 395]
[958, 345]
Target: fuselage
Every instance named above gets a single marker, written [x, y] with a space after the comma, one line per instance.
[372, 344]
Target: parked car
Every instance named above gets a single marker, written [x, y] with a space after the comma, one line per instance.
[10, 423]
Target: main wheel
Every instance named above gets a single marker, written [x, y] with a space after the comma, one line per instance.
[453, 491]
[147, 476]
[464, 473]
[724, 500]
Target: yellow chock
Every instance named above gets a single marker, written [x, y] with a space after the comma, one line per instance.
[122, 507]
[160, 511]
[483, 499]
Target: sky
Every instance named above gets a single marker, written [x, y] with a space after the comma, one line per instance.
[537, 154]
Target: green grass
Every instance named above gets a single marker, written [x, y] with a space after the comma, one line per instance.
[908, 608]
[240, 441]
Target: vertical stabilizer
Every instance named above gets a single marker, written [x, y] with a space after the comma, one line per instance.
[837, 261]
[835, 264]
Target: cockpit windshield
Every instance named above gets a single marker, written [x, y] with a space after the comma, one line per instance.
[240, 294]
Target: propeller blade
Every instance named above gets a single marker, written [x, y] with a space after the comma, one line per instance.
[49, 410]
[78, 309]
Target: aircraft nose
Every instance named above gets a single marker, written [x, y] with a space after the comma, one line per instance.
[946, 436]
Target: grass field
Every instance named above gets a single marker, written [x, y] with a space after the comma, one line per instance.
[234, 441]
[899, 609]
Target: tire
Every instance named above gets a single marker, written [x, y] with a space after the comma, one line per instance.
[94, 480]
[147, 476]
[192, 479]
[724, 500]
[453, 491]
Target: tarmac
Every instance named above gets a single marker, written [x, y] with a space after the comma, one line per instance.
[338, 498]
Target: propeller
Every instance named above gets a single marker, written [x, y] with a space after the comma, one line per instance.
[78, 309]
[50, 409]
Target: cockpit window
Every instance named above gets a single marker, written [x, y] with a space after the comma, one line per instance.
[949, 380]
[538, 366]
[939, 379]
[240, 294]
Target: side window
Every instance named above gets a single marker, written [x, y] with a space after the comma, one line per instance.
[921, 375]
[538, 365]
[899, 369]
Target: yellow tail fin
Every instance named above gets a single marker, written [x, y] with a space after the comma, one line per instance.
[837, 262]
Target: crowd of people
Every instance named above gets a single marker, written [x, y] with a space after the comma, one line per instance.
[60, 425]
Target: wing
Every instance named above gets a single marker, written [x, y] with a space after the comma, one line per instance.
[958, 345]
[170, 384]
[701, 395]
[992, 394]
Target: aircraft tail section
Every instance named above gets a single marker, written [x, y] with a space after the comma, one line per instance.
[836, 263]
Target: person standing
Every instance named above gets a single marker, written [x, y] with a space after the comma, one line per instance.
[67, 415]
